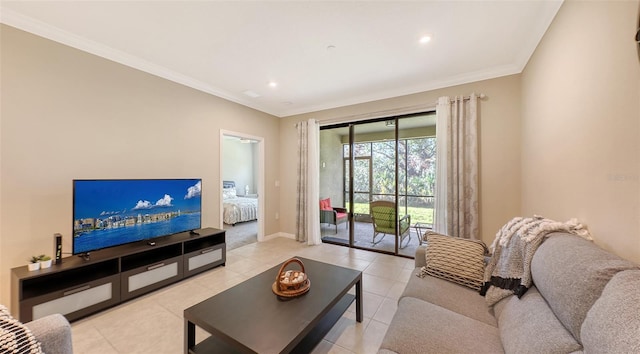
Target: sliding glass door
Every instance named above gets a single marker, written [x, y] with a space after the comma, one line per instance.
[334, 141]
[416, 177]
[373, 226]
[382, 173]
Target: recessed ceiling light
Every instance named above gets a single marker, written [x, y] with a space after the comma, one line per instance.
[273, 84]
[425, 39]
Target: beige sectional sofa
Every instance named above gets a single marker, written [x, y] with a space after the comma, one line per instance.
[583, 299]
[54, 334]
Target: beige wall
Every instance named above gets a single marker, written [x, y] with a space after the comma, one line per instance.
[67, 114]
[499, 147]
[581, 123]
[238, 164]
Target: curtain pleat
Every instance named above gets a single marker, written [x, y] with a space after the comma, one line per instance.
[456, 194]
[301, 186]
[308, 195]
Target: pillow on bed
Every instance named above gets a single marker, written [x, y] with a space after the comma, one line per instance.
[229, 193]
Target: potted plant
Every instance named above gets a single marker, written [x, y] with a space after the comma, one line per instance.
[45, 261]
[34, 263]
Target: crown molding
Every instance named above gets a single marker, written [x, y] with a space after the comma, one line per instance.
[431, 85]
[55, 34]
[541, 27]
[31, 25]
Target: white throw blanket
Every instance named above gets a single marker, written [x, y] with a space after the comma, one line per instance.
[509, 270]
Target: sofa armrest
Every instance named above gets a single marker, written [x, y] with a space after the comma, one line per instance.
[340, 210]
[421, 259]
[54, 334]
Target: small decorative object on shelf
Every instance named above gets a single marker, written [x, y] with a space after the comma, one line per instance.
[45, 261]
[291, 283]
[34, 263]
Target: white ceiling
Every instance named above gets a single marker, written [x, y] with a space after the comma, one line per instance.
[228, 48]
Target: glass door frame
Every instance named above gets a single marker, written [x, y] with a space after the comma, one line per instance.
[351, 218]
[352, 159]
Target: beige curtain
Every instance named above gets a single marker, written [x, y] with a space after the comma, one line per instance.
[456, 211]
[307, 192]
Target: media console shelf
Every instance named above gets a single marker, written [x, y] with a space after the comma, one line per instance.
[79, 287]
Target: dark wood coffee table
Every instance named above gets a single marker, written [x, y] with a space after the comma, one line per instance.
[249, 317]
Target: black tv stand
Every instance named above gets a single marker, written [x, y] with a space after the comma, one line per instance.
[194, 233]
[113, 275]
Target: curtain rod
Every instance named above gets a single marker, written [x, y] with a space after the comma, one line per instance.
[466, 98]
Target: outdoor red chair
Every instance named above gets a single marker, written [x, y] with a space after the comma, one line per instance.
[332, 215]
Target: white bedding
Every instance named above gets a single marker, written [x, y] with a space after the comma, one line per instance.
[238, 209]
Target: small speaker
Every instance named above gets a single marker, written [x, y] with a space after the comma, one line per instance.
[57, 247]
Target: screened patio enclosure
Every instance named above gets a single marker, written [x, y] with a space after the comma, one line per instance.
[391, 159]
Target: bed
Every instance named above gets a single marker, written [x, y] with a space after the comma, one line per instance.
[237, 209]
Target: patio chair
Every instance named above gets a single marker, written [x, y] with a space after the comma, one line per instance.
[332, 215]
[383, 214]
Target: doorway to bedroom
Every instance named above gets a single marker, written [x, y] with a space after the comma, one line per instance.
[241, 176]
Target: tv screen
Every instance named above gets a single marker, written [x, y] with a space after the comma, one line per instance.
[108, 213]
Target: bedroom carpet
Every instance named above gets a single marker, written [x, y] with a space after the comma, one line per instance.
[241, 234]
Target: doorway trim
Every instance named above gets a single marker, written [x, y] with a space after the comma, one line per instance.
[260, 177]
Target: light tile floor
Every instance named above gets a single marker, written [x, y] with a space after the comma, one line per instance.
[153, 323]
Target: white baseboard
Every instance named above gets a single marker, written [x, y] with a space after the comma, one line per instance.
[279, 234]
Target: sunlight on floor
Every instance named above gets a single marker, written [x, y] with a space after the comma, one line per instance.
[153, 323]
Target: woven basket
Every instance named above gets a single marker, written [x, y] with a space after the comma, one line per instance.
[290, 283]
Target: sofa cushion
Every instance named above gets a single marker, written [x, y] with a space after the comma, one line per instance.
[451, 296]
[612, 325]
[520, 318]
[455, 259]
[570, 273]
[325, 204]
[422, 327]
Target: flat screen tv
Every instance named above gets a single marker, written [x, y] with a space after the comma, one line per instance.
[109, 213]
